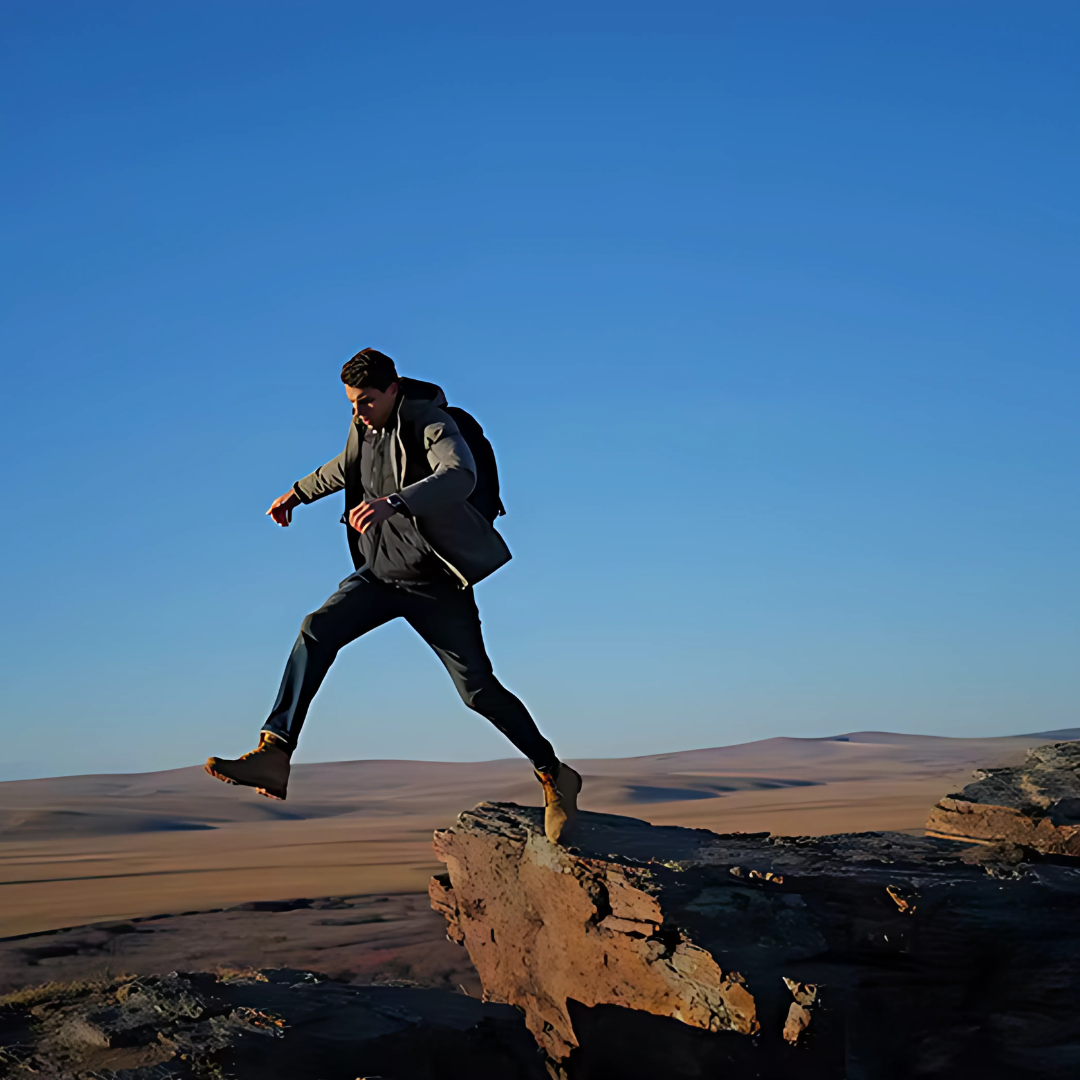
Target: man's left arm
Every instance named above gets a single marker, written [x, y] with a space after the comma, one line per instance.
[453, 471]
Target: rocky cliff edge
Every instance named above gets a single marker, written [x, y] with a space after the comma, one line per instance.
[660, 951]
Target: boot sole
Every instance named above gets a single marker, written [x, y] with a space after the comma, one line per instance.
[238, 783]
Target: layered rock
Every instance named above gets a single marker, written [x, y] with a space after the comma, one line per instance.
[1035, 805]
[649, 951]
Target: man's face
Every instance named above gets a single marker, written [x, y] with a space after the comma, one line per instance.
[372, 407]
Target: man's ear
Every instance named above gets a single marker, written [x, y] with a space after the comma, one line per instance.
[393, 388]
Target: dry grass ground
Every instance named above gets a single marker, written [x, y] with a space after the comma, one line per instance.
[83, 850]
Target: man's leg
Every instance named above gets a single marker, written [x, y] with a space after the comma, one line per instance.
[359, 605]
[450, 624]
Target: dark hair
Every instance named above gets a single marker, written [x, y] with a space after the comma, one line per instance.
[369, 367]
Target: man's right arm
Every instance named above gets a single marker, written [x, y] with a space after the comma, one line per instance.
[323, 481]
[317, 485]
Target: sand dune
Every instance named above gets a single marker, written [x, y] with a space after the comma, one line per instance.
[76, 850]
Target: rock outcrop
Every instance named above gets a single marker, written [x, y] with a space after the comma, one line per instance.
[664, 952]
[1035, 805]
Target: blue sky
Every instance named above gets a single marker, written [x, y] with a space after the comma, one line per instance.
[769, 310]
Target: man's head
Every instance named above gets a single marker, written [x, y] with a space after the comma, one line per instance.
[371, 383]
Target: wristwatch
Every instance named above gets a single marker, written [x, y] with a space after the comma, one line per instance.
[397, 503]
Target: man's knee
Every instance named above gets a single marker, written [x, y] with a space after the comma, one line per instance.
[480, 691]
[317, 626]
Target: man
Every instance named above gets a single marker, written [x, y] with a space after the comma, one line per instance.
[418, 546]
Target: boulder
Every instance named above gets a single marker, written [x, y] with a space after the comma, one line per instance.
[646, 951]
[1035, 805]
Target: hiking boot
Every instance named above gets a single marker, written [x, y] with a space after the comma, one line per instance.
[561, 787]
[266, 768]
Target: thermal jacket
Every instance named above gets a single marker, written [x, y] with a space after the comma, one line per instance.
[422, 457]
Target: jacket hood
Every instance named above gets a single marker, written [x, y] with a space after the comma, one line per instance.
[417, 393]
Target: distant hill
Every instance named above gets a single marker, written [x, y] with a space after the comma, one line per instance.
[77, 849]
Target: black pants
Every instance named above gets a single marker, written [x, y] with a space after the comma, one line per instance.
[444, 616]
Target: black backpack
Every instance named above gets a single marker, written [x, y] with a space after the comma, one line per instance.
[485, 496]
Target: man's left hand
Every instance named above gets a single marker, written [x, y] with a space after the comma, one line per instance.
[362, 517]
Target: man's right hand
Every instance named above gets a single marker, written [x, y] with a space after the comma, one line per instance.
[282, 507]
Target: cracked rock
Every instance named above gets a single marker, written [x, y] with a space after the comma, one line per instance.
[651, 951]
[1034, 806]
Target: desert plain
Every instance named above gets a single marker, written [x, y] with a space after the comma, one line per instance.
[155, 871]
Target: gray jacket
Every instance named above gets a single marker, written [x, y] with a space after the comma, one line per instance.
[434, 473]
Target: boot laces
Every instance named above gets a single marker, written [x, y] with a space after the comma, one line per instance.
[551, 788]
[265, 743]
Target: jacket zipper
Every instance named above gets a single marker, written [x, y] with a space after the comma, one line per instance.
[399, 477]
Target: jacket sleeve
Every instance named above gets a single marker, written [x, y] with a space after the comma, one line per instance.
[453, 471]
[323, 481]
